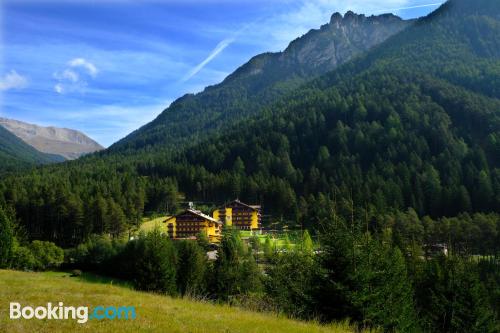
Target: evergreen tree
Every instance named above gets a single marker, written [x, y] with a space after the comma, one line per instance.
[268, 248]
[236, 272]
[451, 298]
[307, 243]
[155, 263]
[292, 293]
[382, 291]
[191, 268]
[6, 240]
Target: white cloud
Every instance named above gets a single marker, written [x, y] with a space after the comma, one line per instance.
[13, 80]
[68, 75]
[215, 52]
[70, 79]
[59, 88]
[81, 62]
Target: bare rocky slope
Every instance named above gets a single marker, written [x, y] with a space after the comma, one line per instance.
[68, 143]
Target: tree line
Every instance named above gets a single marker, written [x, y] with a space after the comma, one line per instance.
[378, 278]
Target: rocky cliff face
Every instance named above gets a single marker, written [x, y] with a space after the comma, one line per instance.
[322, 50]
[263, 80]
[68, 143]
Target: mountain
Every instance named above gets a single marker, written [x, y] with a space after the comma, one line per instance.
[15, 154]
[414, 122]
[68, 143]
[264, 79]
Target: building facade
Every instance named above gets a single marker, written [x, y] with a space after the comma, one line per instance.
[239, 215]
[191, 223]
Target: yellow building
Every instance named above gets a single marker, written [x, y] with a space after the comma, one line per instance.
[239, 215]
[190, 223]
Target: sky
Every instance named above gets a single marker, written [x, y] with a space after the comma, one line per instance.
[107, 67]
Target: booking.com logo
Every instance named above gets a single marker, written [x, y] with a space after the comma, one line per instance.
[81, 314]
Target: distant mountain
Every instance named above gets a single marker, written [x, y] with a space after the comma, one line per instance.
[15, 154]
[264, 79]
[68, 143]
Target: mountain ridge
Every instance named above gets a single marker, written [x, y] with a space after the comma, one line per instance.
[16, 154]
[65, 142]
[263, 79]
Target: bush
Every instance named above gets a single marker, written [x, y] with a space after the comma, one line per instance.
[23, 259]
[97, 253]
[47, 255]
[76, 273]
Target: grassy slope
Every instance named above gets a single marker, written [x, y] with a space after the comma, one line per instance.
[155, 313]
[150, 224]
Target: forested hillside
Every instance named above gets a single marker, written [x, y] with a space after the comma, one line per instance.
[263, 80]
[413, 123]
[15, 154]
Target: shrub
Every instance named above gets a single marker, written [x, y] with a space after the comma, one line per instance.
[23, 259]
[76, 273]
[47, 255]
[97, 253]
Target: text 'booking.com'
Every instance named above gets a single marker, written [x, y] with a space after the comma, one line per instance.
[82, 314]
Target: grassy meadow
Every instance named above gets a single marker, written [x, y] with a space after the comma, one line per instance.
[155, 313]
[149, 224]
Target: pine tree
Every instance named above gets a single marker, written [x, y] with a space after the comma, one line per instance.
[155, 264]
[268, 249]
[452, 299]
[292, 293]
[191, 267]
[235, 269]
[307, 243]
[382, 290]
[6, 240]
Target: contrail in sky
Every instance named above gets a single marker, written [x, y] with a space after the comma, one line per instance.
[215, 52]
[218, 49]
[411, 7]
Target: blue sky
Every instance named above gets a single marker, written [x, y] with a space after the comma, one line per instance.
[107, 67]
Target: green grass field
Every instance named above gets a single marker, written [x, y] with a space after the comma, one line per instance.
[150, 224]
[155, 313]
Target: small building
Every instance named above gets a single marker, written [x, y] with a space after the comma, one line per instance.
[239, 215]
[432, 250]
[190, 223]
